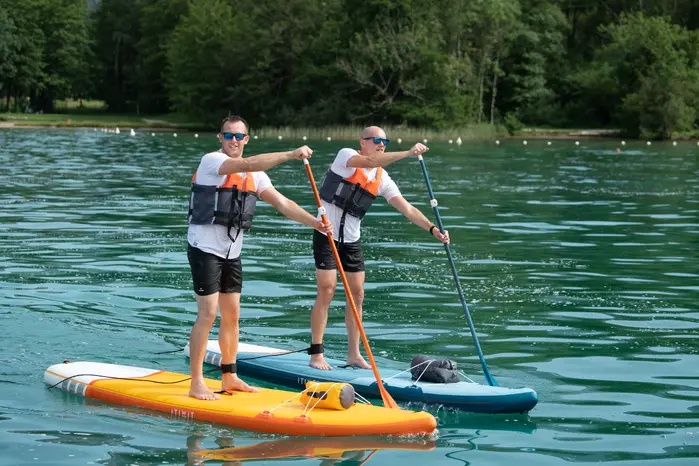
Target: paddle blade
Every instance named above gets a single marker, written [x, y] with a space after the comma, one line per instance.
[388, 400]
[490, 379]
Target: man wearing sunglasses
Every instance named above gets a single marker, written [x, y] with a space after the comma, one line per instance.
[355, 179]
[224, 191]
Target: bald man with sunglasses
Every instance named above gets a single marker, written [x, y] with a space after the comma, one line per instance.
[224, 192]
[355, 179]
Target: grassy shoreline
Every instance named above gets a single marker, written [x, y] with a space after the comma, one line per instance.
[181, 124]
[173, 122]
[96, 120]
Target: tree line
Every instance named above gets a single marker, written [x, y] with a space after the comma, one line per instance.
[631, 64]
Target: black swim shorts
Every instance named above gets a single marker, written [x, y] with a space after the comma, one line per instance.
[351, 255]
[212, 274]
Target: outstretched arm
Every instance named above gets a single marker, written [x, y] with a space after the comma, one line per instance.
[291, 210]
[381, 159]
[262, 162]
[415, 216]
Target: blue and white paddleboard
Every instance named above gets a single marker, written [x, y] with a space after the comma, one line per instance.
[292, 370]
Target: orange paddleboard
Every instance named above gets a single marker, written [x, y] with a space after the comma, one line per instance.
[272, 411]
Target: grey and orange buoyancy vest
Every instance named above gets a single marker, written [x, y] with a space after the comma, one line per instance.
[354, 195]
[232, 204]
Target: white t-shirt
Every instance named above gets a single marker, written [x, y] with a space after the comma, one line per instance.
[214, 238]
[387, 188]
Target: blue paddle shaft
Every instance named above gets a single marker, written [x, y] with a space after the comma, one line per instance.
[488, 376]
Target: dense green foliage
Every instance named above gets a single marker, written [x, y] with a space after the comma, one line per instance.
[632, 64]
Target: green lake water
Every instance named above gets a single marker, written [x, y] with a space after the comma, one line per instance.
[580, 265]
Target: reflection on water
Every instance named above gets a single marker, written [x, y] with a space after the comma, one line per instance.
[329, 450]
[201, 448]
[579, 265]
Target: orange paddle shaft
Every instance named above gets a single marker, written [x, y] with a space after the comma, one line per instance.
[388, 401]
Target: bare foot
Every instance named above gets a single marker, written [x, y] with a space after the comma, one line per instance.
[358, 362]
[231, 382]
[318, 362]
[201, 392]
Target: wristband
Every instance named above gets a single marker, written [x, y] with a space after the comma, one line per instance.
[432, 229]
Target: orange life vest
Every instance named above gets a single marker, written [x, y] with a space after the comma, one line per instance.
[232, 204]
[354, 195]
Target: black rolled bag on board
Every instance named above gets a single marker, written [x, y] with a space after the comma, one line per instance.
[436, 371]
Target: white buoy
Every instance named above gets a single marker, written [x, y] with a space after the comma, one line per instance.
[623, 143]
[305, 138]
[451, 142]
[174, 135]
[152, 134]
[399, 140]
[577, 143]
[196, 135]
[255, 137]
[329, 138]
[648, 143]
[117, 130]
[674, 143]
[132, 132]
[279, 137]
[548, 143]
[524, 142]
[458, 140]
[424, 141]
[497, 142]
